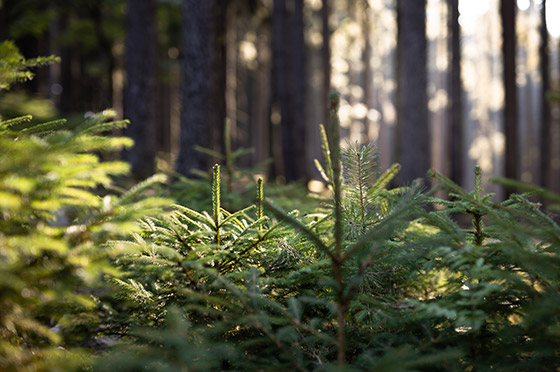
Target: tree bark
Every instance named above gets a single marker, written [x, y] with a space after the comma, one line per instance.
[413, 135]
[106, 51]
[546, 132]
[261, 103]
[203, 83]
[288, 48]
[512, 158]
[326, 61]
[455, 149]
[140, 89]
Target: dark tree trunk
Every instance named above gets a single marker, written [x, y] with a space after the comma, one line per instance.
[512, 161]
[218, 75]
[164, 117]
[5, 12]
[203, 82]
[326, 61]
[546, 133]
[262, 88]
[140, 89]
[288, 50]
[106, 46]
[455, 115]
[554, 180]
[366, 58]
[70, 97]
[413, 135]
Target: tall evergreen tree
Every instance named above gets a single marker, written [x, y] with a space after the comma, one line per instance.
[413, 136]
[203, 82]
[139, 96]
[288, 49]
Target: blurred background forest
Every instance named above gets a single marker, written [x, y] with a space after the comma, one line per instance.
[445, 84]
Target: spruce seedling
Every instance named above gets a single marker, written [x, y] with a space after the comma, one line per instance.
[346, 251]
[341, 300]
[475, 204]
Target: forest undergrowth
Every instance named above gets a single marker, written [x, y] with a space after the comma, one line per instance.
[371, 278]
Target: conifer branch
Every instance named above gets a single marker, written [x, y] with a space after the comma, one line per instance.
[307, 232]
[387, 226]
[216, 201]
[326, 173]
[45, 128]
[233, 216]
[384, 180]
[106, 126]
[260, 198]
[137, 189]
[360, 169]
[6, 124]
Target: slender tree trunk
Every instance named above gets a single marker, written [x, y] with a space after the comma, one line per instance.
[261, 87]
[140, 89]
[195, 107]
[203, 82]
[67, 99]
[289, 84]
[512, 158]
[366, 58]
[163, 111]
[554, 181]
[54, 70]
[261, 103]
[106, 44]
[326, 61]
[455, 149]
[5, 10]
[413, 136]
[279, 76]
[218, 75]
[546, 134]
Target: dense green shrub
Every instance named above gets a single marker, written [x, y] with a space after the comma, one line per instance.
[57, 209]
[372, 280]
[499, 302]
[278, 293]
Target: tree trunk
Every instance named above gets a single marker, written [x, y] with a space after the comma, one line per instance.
[546, 133]
[512, 158]
[326, 61]
[261, 103]
[106, 50]
[456, 148]
[554, 180]
[218, 75]
[140, 89]
[288, 48]
[203, 83]
[413, 136]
